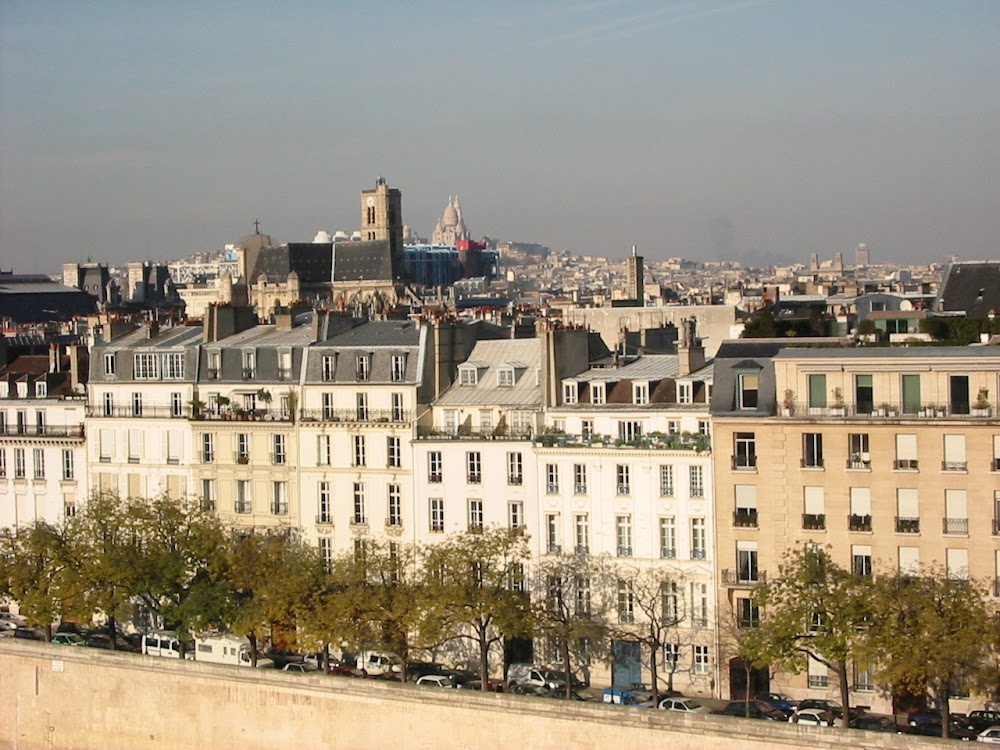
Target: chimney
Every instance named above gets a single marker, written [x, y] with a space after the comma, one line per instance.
[690, 352]
[75, 354]
[152, 330]
[283, 319]
[54, 352]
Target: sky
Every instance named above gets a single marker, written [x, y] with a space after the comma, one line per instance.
[707, 129]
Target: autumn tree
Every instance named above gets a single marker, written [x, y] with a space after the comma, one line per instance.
[33, 571]
[932, 632]
[476, 588]
[814, 609]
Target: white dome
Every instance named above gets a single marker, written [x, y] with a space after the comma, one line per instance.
[322, 236]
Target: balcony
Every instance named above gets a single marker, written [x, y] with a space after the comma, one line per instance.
[324, 519]
[249, 373]
[279, 509]
[159, 411]
[242, 506]
[242, 458]
[995, 465]
[814, 521]
[356, 416]
[467, 433]
[235, 415]
[654, 441]
[955, 466]
[555, 549]
[698, 553]
[552, 488]
[996, 527]
[743, 463]
[284, 373]
[357, 519]
[626, 618]
[815, 462]
[213, 373]
[41, 431]
[743, 578]
[955, 525]
[668, 553]
[906, 525]
[889, 410]
[624, 489]
[474, 527]
[905, 464]
[393, 522]
[624, 552]
[279, 459]
[745, 518]
[859, 462]
[582, 549]
[474, 478]
[515, 480]
[434, 478]
[580, 489]
[859, 523]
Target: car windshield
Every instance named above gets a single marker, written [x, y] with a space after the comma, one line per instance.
[692, 705]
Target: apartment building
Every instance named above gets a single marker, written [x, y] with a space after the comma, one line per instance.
[889, 456]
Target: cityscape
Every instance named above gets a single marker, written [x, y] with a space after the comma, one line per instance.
[587, 432]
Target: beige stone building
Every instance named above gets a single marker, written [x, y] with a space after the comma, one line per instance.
[889, 456]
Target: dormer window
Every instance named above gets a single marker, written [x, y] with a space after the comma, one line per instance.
[598, 393]
[570, 392]
[684, 393]
[505, 377]
[4, 389]
[398, 373]
[109, 363]
[213, 365]
[362, 367]
[249, 364]
[22, 390]
[41, 389]
[749, 388]
[640, 394]
[468, 376]
[329, 367]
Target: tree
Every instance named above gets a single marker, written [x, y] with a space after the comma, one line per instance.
[476, 588]
[33, 564]
[741, 635]
[814, 609]
[571, 607]
[932, 633]
[657, 597]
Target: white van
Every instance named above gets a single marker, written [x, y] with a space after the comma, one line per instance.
[166, 643]
[377, 662]
[226, 648]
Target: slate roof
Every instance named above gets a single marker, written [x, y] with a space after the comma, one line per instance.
[973, 288]
[311, 261]
[363, 261]
[646, 367]
[377, 333]
[525, 355]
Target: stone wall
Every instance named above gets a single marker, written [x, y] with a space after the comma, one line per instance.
[65, 697]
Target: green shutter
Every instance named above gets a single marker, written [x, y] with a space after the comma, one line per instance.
[817, 391]
[911, 394]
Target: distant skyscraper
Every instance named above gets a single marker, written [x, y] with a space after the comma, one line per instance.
[814, 262]
[862, 256]
[635, 277]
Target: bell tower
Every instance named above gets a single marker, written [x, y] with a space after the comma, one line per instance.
[382, 219]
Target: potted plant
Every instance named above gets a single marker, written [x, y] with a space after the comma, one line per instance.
[982, 407]
[264, 396]
[838, 402]
[788, 403]
[197, 408]
[222, 404]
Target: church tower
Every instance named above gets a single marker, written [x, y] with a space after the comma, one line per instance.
[382, 219]
[636, 282]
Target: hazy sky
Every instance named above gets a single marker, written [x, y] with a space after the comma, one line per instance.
[706, 129]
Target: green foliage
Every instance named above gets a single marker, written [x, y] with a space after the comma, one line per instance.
[33, 570]
[958, 331]
[761, 325]
[867, 327]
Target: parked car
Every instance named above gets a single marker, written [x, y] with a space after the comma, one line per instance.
[688, 705]
[300, 667]
[575, 695]
[876, 723]
[100, 640]
[68, 626]
[282, 656]
[823, 705]
[417, 669]
[990, 735]
[435, 680]
[30, 634]
[814, 717]
[980, 720]
[11, 622]
[933, 729]
[779, 701]
[755, 710]
[68, 639]
[347, 670]
[619, 697]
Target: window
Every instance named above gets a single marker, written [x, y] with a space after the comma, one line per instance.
[39, 461]
[362, 367]
[864, 394]
[626, 602]
[360, 514]
[136, 404]
[861, 509]
[475, 514]
[242, 448]
[684, 393]
[3, 463]
[435, 467]
[598, 393]
[580, 479]
[394, 449]
[583, 596]
[818, 678]
[468, 375]
[581, 522]
[398, 368]
[358, 447]
[326, 552]
[958, 394]
[858, 454]
[673, 427]
[41, 389]
[668, 537]
[701, 663]
[474, 467]
[329, 367]
[747, 613]
[106, 445]
[569, 392]
[817, 392]
[109, 405]
[812, 450]
[910, 385]
[279, 455]
[515, 577]
[704, 427]
[20, 471]
[666, 480]
[957, 564]
[671, 656]
[749, 390]
[670, 609]
[515, 514]
[909, 561]
[173, 447]
[698, 539]
[744, 451]
[551, 479]
[623, 535]
[814, 515]
[135, 446]
[146, 366]
[906, 453]
[437, 514]
[173, 366]
[640, 394]
[746, 506]
[176, 405]
[284, 364]
[746, 562]
[515, 471]
[864, 677]
[394, 498]
[861, 560]
[208, 495]
[697, 476]
[68, 471]
[398, 415]
[629, 431]
[325, 503]
[109, 363]
[324, 454]
[279, 498]
[954, 453]
[552, 533]
[623, 475]
[249, 364]
[956, 512]
[327, 406]
[361, 407]
[243, 501]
